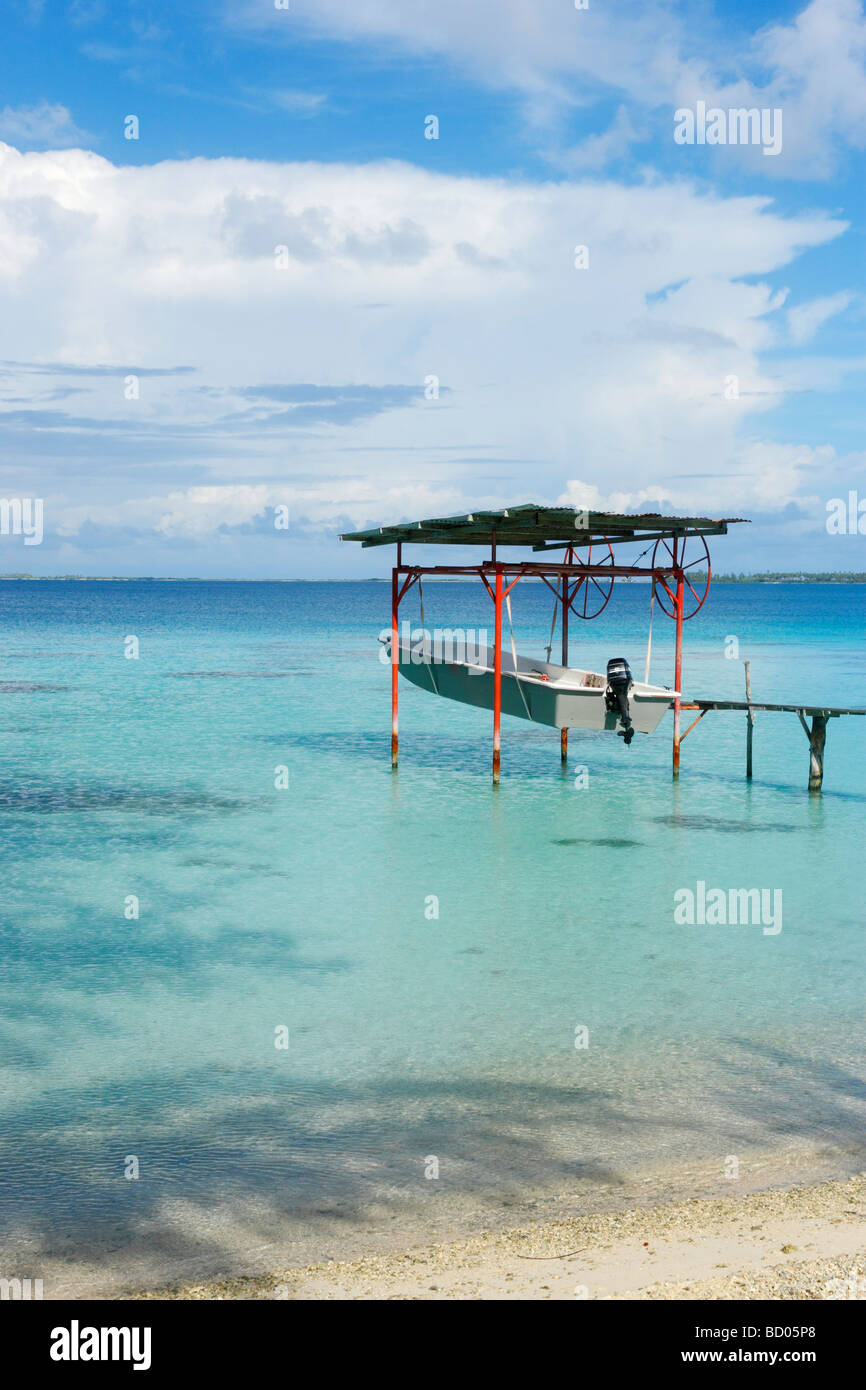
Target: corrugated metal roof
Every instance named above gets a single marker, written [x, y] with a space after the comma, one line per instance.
[530, 524]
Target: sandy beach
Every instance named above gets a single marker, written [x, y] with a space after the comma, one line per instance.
[803, 1243]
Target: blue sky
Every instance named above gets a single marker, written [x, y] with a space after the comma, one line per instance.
[281, 294]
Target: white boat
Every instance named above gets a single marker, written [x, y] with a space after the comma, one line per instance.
[563, 697]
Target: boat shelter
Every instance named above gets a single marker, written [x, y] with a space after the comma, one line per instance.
[596, 549]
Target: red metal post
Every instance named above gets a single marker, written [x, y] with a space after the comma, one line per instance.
[678, 670]
[497, 672]
[395, 655]
[563, 733]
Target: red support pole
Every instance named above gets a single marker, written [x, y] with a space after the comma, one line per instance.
[395, 656]
[497, 672]
[678, 670]
[563, 733]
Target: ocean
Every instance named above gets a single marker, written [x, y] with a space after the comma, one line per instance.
[264, 999]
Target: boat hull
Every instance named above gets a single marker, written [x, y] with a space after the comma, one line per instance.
[539, 691]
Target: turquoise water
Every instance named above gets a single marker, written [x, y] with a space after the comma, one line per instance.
[308, 907]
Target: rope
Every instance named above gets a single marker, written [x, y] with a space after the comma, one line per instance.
[553, 624]
[428, 664]
[514, 657]
[649, 640]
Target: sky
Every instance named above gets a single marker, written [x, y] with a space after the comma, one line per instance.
[351, 262]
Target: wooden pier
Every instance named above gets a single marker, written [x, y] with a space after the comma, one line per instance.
[816, 733]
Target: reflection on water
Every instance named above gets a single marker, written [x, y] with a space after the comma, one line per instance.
[723, 827]
[609, 842]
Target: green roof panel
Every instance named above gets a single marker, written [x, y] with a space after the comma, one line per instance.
[540, 527]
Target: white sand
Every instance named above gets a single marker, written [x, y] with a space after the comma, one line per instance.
[807, 1242]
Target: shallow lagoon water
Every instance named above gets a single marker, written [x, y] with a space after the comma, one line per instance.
[308, 908]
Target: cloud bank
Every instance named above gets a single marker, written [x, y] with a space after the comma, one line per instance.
[365, 342]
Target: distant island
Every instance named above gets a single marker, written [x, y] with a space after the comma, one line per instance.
[795, 577]
[770, 577]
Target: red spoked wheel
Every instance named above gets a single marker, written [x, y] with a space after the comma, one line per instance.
[682, 553]
[591, 593]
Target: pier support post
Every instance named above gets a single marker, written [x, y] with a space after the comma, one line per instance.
[678, 671]
[817, 737]
[395, 657]
[563, 733]
[497, 672]
[750, 724]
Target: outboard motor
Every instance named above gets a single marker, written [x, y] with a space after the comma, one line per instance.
[616, 697]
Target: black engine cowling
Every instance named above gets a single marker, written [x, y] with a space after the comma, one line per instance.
[619, 687]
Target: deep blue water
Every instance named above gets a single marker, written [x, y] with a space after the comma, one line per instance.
[310, 908]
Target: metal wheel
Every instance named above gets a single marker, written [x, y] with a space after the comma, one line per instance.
[591, 593]
[682, 553]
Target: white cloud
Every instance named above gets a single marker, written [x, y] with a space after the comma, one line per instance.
[393, 275]
[198, 513]
[300, 103]
[818, 66]
[39, 126]
[812, 71]
[804, 320]
[652, 54]
[598, 151]
[190, 512]
[759, 475]
[540, 48]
